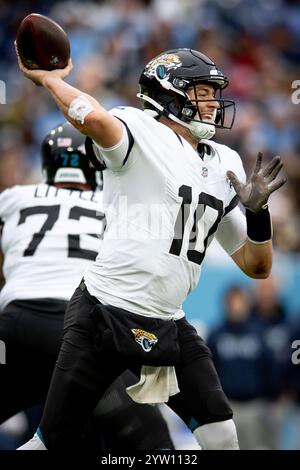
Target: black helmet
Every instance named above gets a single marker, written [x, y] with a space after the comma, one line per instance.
[64, 158]
[166, 78]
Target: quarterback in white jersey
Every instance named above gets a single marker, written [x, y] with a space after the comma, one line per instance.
[151, 257]
[159, 161]
[50, 233]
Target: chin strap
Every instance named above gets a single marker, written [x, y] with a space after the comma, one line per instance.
[199, 130]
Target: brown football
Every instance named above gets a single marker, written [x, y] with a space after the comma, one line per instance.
[42, 43]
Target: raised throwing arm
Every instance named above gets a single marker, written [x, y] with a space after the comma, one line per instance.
[79, 108]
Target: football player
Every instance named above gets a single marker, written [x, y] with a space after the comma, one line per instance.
[51, 232]
[181, 190]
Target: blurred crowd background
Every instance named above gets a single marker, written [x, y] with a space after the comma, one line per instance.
[256, 43]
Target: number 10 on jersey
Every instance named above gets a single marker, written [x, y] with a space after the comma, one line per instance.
[204, 200]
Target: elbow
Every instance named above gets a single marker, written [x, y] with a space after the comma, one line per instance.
[261, 275]
[260, 271]
[92, 122]
[103, 128]
[87, 125]
[259, 262]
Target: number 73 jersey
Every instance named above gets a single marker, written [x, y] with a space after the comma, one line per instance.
[166, 203]
[49, 236]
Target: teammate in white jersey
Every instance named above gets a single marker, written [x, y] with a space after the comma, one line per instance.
[50, 233]
[169, 190]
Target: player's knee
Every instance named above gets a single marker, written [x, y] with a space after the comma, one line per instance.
[213, 407]
[217, 407]
[217, 436]
[217, 429]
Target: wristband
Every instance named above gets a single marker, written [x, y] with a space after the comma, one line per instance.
[259, 225]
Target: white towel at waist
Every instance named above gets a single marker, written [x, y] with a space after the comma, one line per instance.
[156, 385]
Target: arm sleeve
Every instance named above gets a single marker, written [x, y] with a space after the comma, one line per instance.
[232, 230]
[114, 157]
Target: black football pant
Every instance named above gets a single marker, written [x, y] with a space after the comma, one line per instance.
[82, 375]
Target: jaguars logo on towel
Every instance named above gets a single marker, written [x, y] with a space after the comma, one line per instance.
[145, 339]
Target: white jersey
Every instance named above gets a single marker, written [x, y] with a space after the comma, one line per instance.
[49, 236]
[152, 251]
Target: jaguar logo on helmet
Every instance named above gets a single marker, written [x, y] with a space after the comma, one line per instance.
[162, 64]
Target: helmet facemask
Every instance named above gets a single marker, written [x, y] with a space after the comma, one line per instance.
[191, 110]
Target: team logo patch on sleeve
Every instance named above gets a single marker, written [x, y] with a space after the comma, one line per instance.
[145, 339]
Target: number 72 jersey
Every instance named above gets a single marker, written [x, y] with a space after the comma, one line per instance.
[49, 236]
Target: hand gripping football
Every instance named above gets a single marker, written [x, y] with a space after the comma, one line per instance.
[42, 44]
